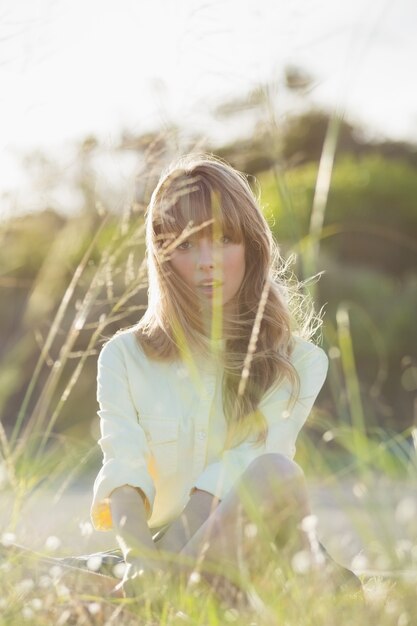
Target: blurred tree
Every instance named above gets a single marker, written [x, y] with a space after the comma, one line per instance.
[303, 138]
[370, 219]
[290, 139]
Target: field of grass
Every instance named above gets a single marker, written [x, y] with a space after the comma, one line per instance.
[362, 478]
[366, 523]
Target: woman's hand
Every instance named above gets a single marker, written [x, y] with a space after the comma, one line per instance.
[135, 579]
[140, 578]
[134, 538]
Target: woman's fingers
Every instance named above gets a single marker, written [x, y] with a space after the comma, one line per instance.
[140, 578]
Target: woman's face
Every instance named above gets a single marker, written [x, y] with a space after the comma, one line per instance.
[213, 266]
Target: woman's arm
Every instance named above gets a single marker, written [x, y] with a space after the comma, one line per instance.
[129, 514]
[128, 507]
[123, 441]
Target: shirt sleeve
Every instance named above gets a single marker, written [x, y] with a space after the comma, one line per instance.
[284, 424]
[123, 441]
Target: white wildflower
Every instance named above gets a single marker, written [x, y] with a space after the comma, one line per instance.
[64, 617]
[359, 490]
[27, 612]
[182, 615]
[333, 352]
[359, 562]
[328, 436]
[52, 543]
[55, 572]
[119, 570]
[36, 604]
[94, 608]
[94, 563]
[86, 529]
[25, 585]
[62, 591]
[194, 578]
[45, 581]
[406, 510]
[251, 531]
[7, 539]
[301, 562]
[376, 593]
[309, 523]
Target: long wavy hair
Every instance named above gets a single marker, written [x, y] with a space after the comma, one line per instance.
[196, 193]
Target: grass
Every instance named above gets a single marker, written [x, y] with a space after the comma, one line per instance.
[36, 592]
[358, 464]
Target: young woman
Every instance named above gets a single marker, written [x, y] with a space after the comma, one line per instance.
[201, 403]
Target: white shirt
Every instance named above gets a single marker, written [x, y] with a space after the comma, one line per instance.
[163, 426]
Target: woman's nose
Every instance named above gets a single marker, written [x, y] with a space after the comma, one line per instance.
[205, 253]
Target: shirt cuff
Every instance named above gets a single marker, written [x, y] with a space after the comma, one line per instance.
[107, 481]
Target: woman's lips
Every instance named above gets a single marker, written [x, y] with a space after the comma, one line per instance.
[209, 289]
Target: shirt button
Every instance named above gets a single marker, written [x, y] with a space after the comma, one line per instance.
[201, 434]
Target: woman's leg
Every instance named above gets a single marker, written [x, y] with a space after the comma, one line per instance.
[198, 509]
[269, 500]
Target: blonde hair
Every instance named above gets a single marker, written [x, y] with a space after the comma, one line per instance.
[199, 192]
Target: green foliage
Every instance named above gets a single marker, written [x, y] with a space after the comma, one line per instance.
[368, 254]
[371, 216]
[377, 300]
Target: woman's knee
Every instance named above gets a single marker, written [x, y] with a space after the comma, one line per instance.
[274, 469]
[273, 481]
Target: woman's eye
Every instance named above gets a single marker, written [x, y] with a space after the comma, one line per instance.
[184, 245]
[225, 239]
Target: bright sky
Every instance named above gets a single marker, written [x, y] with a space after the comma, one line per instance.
[73, 67]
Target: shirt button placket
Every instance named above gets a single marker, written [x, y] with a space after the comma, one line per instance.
[201, 428]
